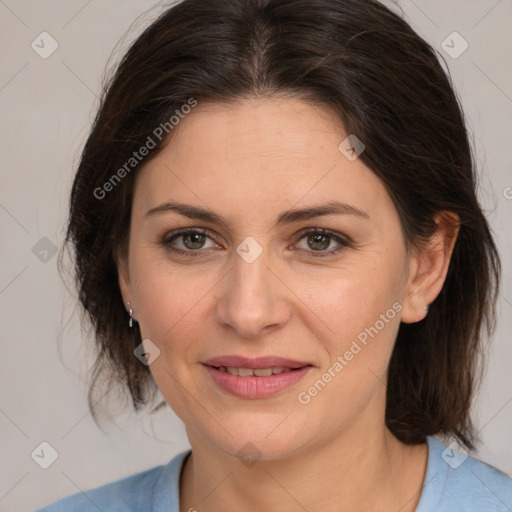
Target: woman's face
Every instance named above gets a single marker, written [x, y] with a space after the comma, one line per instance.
[322, 308]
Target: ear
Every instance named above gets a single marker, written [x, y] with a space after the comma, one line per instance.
[123, 274]
[428, 266]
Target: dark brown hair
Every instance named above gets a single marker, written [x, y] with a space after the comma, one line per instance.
[388, 87]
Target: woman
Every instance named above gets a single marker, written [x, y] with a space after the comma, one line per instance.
[275, 224]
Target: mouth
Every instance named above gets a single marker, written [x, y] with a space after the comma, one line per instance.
[255, 378]
[254, 372]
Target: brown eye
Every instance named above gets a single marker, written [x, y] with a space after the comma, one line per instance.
[190, 242]
[320, 242]
[193, 240]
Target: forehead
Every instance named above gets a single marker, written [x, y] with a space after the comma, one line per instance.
[258, 155]
[257, 128]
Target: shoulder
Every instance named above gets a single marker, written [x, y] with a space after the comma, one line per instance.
[457, 482]
[154, 489]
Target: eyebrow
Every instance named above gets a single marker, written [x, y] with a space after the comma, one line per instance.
[287, 217]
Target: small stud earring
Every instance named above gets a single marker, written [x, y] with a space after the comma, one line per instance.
[130, 322]
[425, 307]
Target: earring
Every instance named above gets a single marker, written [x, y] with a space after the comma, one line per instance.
[130, 322]
[425, 307]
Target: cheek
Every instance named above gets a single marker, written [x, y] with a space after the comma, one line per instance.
[175, 304]
[172, 315]
[352, 299]
[171, 306]
[361, 307]
[363, 315]
[334, 306]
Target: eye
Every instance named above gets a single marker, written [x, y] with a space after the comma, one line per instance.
[192, 241]
[320, 241]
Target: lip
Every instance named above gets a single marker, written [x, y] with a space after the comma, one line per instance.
[258, 362]
[255, 387]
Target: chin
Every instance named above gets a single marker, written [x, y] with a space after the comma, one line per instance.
[266, 440]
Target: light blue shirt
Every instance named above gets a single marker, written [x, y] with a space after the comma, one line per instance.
[453, 483]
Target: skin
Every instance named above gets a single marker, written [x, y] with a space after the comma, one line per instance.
[248, 162]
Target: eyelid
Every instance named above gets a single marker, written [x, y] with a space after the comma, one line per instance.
[324, 231]
[343, 240]
[170, 236]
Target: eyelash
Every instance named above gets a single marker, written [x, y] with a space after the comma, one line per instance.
[344, 243]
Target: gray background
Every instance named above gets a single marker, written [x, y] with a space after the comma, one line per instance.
[47, 106]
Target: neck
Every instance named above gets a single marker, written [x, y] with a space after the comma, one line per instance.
[364, 469]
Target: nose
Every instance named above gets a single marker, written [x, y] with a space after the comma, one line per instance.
[253, 300]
